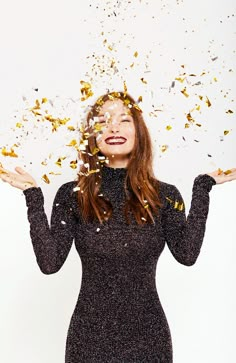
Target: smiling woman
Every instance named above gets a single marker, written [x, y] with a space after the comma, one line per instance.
[121, 218]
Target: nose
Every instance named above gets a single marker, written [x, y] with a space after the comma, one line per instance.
[114, 126]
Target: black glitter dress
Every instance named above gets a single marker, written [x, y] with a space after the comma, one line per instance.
[118, 316]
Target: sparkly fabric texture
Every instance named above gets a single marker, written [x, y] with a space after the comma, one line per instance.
[118, 317]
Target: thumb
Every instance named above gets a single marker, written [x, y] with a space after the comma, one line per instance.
[20, 170]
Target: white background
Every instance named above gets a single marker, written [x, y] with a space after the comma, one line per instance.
[52, 46]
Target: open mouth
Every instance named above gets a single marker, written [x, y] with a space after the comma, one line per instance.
[115, 140]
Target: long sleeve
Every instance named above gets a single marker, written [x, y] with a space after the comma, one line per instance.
[52, 243]
[184, 236]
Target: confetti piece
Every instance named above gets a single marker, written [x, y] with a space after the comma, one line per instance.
[143, 80]
[180, 79]
[135, 54]
[168, 127]
[184, 92]
[189, 117]
[45, 179]
[9, 153]
[73, 164]
[226, 132]
[164, 148]
[19, 125]
[229, 111]
[208, 103]
[227, 172]
[86, 90]
[63, 222]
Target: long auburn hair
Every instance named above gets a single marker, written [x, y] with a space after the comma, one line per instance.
[141, 186]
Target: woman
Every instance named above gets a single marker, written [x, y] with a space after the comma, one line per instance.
[120, 217]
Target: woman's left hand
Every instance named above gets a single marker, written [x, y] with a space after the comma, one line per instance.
[221, 176]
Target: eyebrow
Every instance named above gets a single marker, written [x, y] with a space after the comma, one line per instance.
[123, 114]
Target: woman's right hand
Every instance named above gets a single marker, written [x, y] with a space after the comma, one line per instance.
[22, 180]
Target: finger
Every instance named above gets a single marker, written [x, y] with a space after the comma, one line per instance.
[20, 170]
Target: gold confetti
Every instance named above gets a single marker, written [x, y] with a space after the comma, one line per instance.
[180, 79]
[52, 173]
[198, 107]
[168, 127]
[184, 92]
[229, 111]
[143, 80]
[164, 148]
[72, 143]
[186, 126]
[131, 65]
[189, 117]
[9, 153]
[220, 171]
[125, 89]
[201, 97]
[71, 128]
[110, 47]
[86, 90]
[140, 99]
[45, 179]
[229, 171]
[73, 164]
[208, 103]
[135, 54]
[95, 151]
[18, 124]
[199, 125]
[44, 100]
[226, 132]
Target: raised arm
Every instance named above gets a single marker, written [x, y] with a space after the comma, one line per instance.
[51, 243]
[184, 236]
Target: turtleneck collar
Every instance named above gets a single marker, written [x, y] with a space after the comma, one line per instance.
[108, 173]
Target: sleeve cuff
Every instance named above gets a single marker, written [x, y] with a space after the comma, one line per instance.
[33, 195]
[204, 181]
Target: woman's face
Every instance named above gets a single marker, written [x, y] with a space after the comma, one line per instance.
[117, 135]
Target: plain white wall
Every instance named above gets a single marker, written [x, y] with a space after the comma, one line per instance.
[54, 45]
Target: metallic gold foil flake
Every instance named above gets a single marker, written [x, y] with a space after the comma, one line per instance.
[125, 89]
[71, 128]
[198, 107]
[168, 127]
[180, 79]
[137, 107]
[44, 163]
[208, 103]
[73, 164]
[199, 125]
[44, 100]
[164, 148]
[72, 143]
[143, 80]
[45, 179]
[52, 173]
[226, 132]
[110, 47]
[140, 99]
[176, 204]
[229, 111]
[184, 92]
[189, 117]
[200, 97]
[19, 125]
[131, 65]
[95, 151]
[86, 90]
[10, 153]
[59, 160]
[220, 171]
[215, 79]
[186, 126]
[135, 54]
[229, 171]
